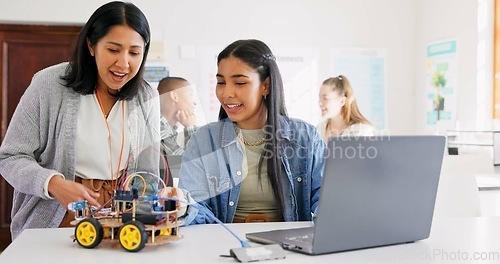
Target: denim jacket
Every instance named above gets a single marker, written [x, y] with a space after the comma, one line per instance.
[212, 166]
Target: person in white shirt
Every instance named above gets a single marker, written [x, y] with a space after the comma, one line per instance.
[340, 112]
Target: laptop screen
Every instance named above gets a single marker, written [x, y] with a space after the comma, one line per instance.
[376, 191]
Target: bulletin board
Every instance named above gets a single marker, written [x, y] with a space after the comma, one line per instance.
[365, 68]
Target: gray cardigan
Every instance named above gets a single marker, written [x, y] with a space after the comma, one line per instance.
[40, 141]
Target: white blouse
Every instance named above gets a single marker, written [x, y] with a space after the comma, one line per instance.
[97, 150]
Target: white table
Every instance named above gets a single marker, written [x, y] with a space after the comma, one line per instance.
[451, 240]
[489, 193]
[488, 181]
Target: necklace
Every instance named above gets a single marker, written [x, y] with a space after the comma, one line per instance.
[246, 142]
[105, 115]
[253, 144]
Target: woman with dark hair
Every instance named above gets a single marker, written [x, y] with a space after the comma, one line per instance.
[340, 111]
[255, 163]
[80, 125]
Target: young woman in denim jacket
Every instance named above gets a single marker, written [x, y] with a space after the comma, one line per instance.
[255, 162]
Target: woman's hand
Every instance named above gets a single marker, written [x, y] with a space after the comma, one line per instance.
[176, 193]
[66, 192]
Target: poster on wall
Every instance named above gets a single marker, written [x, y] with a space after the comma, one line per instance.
[441, 84]
[365, 68]
[154, 74]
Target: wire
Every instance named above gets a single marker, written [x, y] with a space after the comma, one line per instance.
[163, 159]
[211, 215]
[140, 177]
[154, 175]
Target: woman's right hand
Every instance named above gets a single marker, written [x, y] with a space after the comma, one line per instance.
[176, 193]
[66, 192]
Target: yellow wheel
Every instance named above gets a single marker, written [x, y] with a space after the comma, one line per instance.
[89, 233]
[166, 232]
[133, 236]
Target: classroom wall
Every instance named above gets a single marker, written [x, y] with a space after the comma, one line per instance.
[402, 27]
[439, 20]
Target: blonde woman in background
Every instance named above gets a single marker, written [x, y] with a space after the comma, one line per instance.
[340, 112]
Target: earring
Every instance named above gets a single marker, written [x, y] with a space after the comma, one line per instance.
[265, 97]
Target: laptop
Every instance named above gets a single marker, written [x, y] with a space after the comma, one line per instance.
[376, 191]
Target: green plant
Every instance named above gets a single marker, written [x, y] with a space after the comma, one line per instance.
[438, 81]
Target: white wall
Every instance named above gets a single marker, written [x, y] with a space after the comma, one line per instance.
[403, 27]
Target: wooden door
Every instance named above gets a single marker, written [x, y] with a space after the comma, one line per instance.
[24, 50]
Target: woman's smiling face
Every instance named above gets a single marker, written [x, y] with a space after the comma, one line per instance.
[330, 102]
[118, 56]
[241, 93]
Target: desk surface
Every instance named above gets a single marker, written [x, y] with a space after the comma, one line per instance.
[452, 240]
[488, 181]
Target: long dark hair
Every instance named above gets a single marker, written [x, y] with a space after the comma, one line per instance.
[258, 55]
[81, 74]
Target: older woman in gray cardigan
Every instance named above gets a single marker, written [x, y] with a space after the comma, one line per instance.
[87, 119]
[40, 142]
